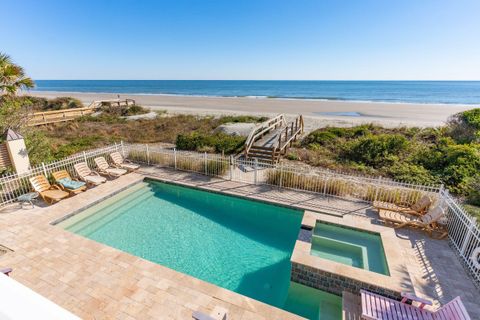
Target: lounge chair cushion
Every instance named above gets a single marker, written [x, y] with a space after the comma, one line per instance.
[71, 184]
[116, 171]
[94, 179]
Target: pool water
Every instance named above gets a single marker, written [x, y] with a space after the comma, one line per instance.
[241, 245]
[352, 247]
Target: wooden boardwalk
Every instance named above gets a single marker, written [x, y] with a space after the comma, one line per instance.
[47, 117]
[272, 138]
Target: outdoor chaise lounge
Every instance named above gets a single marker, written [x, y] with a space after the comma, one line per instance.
[89, 176]
[418, 208]
[6, 271]
[218, 313]
[121, 162]
[427, 222]
[68, 184]
[49, 193]
[105, 169]
[377, 307]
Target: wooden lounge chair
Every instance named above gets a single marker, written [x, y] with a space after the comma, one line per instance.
[377, 307]
[89, 176]
[418, 208]
[105, 169]
[49, 193]
[427, 222]
[123, 163]
[65, 181]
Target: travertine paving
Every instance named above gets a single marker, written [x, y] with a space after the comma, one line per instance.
[95, 281]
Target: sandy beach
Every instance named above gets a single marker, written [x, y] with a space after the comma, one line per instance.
[317, 113]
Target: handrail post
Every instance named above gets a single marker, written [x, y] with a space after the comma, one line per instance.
[281, 176]
[377, 189]
[205, 163]
[468, 236]
[123, 149]
[231, 167]
[85, 156]
[255, 171]
[148, 153]
[175, 158]
[44, 170]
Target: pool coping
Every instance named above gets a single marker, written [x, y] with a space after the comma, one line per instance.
[392, 285]
[233, 194]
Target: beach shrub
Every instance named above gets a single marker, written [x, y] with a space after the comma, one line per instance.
[219, 141]
[77, 145]
[464, 127]
[412, 173]
[473, 196]
[319, 137]
[63, 103]
[241, 119]
[376, 150]
[454, 163]
[39, 147]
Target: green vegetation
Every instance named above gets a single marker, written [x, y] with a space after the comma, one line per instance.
[37, 104]
[448, 155]
[12, 76]
[218, 142]
[189, 132]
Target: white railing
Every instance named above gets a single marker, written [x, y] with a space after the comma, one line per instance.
[262, 129]
[328, 183]
[464, 233]
[14, 185]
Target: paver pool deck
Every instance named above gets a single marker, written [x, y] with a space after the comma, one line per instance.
[95, 281]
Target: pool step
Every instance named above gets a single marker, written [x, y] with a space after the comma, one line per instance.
[118, 204]
[340, 246]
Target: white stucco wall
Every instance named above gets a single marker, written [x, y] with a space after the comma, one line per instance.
[18, 155]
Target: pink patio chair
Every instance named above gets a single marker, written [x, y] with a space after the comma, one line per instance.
[377, 307]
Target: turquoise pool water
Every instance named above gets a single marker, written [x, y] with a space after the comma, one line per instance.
[241, 245]
[348, 246]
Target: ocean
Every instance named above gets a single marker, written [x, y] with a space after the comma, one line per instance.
[444, 92]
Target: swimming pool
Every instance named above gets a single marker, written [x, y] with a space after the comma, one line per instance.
[241, 245]
[352, 247]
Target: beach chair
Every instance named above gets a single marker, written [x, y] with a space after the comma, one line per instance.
[49, 193]
[377, 307]
[89, 176]
[418, 208]
[105, 169]
[65, 181]
[427, 222]
[6, 271]
[123, 163]
[218, 313]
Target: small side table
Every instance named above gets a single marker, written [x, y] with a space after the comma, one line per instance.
[27, 198]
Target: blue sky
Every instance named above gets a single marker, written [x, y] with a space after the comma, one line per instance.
[244, 39]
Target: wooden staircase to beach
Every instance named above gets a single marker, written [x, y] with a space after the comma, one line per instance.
[271, 139]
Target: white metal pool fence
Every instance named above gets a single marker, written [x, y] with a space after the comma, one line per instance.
[464, 233]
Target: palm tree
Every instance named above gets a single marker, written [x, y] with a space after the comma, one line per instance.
[12, 76]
